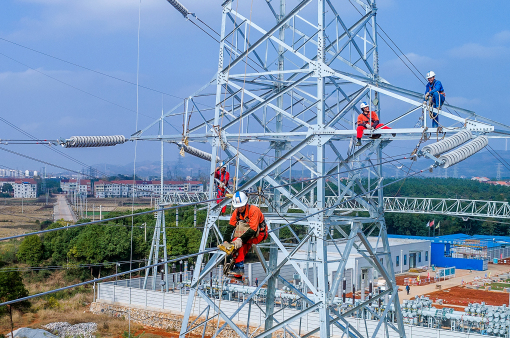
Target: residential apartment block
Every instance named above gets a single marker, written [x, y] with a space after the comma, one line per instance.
[76, 186]
[23, 187]
[106, 189]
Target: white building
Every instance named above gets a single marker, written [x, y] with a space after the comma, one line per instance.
[76, 186]
[125, 188]
[11, 173]
[405, 254]
[25, 188]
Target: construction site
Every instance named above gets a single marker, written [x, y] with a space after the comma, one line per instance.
[299, 82]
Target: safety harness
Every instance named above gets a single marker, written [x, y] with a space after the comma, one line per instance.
[243, 225]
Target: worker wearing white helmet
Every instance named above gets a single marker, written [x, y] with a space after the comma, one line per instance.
[247, 226]
[367, 120]
[434, 96]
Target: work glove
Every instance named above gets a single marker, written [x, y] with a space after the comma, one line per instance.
[222, 185]
[427, 96]
[238, 243]
[368, 126]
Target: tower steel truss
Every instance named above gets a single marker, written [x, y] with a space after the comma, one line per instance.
[297, 101]
[289, 80]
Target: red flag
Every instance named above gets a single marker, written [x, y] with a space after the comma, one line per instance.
[431, 224]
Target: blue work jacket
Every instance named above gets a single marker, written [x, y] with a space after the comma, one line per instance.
[436, 86]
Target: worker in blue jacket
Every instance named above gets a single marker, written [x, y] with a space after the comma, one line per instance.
[434, 96]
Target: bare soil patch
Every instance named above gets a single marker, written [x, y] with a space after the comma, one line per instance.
[459, 295]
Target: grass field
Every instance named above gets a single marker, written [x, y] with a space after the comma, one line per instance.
[499, 286]
[17, 216]
[91, 208]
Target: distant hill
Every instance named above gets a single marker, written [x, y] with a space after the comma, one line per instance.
[481, 164]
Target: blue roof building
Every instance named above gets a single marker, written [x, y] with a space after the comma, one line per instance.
[464, 251]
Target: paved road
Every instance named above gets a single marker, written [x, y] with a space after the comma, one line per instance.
[62, 210]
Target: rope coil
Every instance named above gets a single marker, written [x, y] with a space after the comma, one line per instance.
[463, 152]
[448, 143]
[93, 141]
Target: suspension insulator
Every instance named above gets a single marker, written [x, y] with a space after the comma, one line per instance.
[461, 153]
[93, 141]
[197, 152]
[179, 7]
[448, 143]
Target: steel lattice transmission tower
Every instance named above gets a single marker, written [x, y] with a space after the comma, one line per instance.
[289, 81]
[285, 86]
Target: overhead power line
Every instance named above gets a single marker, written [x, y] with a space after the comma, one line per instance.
[89, 69]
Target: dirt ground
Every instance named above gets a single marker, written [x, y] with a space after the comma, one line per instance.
[458, 295]
[149, 332]
[14, 222]
[400, 279]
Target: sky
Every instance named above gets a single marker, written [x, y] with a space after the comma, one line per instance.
[467, 44]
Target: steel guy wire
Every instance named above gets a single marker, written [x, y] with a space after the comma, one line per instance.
[68, 266]
[70, 170]
[181, 257]
[136, 141]
[111, 219]
[107, 277]
[343, 202]
[498, 155]
[136, 214]
[89, 69]
[72, 86]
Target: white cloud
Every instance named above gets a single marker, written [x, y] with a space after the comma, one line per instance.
[495, 48]
[476, 50]
[59, 18]
[463, 101]
[502, 37]
[422, 62]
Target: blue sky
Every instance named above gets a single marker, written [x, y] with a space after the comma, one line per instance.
[467, 43]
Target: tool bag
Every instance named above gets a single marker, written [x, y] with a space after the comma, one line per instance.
[243, 225]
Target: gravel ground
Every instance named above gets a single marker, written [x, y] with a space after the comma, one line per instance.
[64, 329]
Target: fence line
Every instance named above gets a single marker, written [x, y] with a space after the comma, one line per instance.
[176, 301]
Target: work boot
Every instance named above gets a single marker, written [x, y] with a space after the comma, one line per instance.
[236, 271]
[358, 144]
[226, 247]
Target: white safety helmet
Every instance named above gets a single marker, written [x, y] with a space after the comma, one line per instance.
[240, 199]
[430, 74]
[363, 105]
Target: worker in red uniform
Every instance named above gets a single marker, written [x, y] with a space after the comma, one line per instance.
[367, 120]
[247, 226]
[222, 177]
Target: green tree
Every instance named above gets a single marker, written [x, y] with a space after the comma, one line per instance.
[98, 243]
[11, 288]
[7, 187]
[31, 250]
